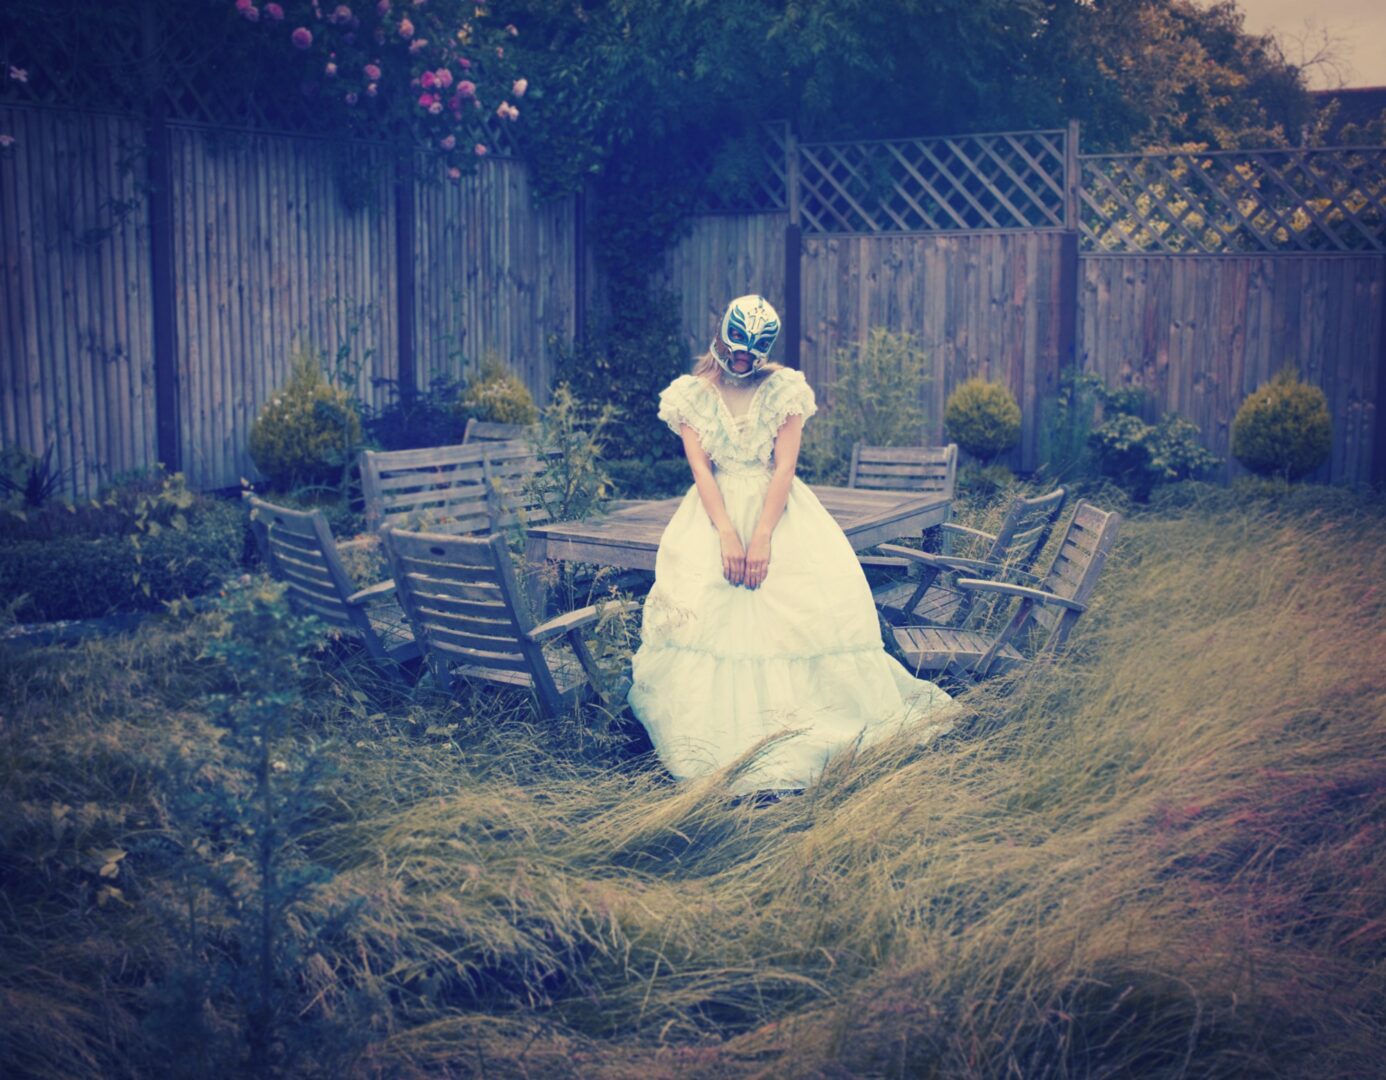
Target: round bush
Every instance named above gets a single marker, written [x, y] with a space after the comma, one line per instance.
[307, 433]
[983, 418]
[1283, 429]
[499, 396]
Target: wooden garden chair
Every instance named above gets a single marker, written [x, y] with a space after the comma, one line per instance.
[479, 487]
[298, 549]
[493, 431]
[930, 469]
[1009, 553]
[468, 611]
[1042, 619]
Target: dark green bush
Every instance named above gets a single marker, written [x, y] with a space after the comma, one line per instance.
[308, 433]
[983, 418]
[432, 417]
[1283, 429]
[1141, 456]
[636, 479]
[75, 576]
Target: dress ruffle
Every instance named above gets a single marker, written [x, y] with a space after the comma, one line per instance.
[694, 401]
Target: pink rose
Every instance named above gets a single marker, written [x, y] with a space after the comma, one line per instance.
[406, 28]
[372, 72]
[248, 10]
[454, 173]
[383, 8]
[340, 14]
[371, 89]
[302, 38]
[444, 77]
[428, 81]
[418, 45]
[448, 142]
[510, 29]
[480, 149]
[464, 63]
[275, 12]
[500, 53]
[330, 70]
[436, 108]
[519, 86]
[425, 100]
[466, 88]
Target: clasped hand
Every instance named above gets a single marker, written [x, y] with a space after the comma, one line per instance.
[745, 565]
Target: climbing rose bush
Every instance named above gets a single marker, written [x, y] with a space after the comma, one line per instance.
[437, 69]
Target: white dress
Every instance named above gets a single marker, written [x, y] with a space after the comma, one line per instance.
[721, 666]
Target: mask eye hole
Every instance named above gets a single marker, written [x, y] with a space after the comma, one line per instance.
[738, 336]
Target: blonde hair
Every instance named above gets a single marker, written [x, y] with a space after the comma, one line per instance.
[707, 365]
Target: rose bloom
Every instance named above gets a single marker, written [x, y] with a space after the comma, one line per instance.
[275, 12]
[436, 108]
[383, 7]
[406, 28]
[372, 72]
[418, 45]
[425, 100]
[444, 77]
[466, 88]
[330, 70]
[428, 81]
[464, 63]
[340, 14]
[371, 89]
[302, 37]
[480, 149]
[519, 86]
[448, 142]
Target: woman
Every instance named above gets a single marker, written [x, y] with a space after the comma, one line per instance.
[760, 619]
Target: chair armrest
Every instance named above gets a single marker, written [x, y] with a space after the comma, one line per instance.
[1039, 596]
[575, 620]
[977, 534]
[372, 592]
[883, 562]
[359, 542]
[940, 562]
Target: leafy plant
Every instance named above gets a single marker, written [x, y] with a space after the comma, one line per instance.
[33, 480]
[1140, 456]
[983, 418]
[434, 417]
[497, 394]
[309, 431]
[573, 483]
[876, 399]
[1283, 429]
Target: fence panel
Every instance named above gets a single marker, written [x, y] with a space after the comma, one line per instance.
[76, 332]
[1200, 334]
[980, 304]
[493, 275]
[268, 261]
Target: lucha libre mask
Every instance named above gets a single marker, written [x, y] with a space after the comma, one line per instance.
[750, 325]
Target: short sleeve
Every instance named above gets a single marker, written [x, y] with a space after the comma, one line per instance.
[793, 397]
[674, 406]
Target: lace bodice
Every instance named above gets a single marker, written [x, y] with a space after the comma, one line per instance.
[737, 442]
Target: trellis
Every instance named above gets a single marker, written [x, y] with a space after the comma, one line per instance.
[766, 189]
[1006, 180]
[1234, 202]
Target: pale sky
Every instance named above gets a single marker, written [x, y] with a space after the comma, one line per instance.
[1356, 29]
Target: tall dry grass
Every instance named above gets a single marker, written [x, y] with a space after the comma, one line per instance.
[1162, 856]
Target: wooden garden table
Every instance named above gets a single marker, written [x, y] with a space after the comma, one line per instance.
[628, 536]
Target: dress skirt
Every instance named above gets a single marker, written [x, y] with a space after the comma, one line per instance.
[721, 666]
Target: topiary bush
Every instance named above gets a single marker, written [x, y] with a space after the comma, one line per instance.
[1141, 456]
[1283, 429]
[308, 433]
[983, 418]
[498, 395]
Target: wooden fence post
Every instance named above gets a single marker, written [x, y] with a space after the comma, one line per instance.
[405, 227]
[1070, 269]
[162, 300]
[1379, 419]
[1073, 178]
[580, 267]
[793, 256]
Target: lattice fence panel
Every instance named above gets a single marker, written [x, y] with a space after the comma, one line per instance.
[967, 182]
[1229, 202]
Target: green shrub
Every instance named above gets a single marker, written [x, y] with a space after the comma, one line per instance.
[1140, 456]
[308, 433]
[632, 478]
[983, 418]
[876, 399]
[78, 577]
[1283, 429]
[432, 417]
[499, 395]
[574, 484]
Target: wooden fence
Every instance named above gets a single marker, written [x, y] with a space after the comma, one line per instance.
[264, 260]
[148, 315]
